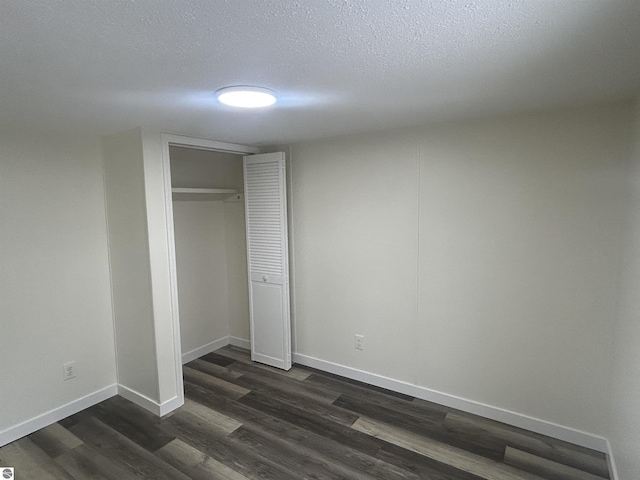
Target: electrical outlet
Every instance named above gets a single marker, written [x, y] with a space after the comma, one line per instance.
[359, 342]
[69, 371]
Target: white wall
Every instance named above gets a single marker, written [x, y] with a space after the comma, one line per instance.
[354, 202]
[194, 168]
[516, 225]
[212, 271]
[479, 259]
[625, 398]
[202, 272]
[129, 257]
[520, 240]
[55, 302]
[210, 248]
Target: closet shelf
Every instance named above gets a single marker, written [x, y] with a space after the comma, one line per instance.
[204, 190]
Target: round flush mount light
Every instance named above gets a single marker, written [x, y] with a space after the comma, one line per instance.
[244, 96]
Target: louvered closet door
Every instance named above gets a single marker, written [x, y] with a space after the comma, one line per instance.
[268, 259]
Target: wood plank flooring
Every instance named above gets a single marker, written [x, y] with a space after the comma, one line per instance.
[244, 421]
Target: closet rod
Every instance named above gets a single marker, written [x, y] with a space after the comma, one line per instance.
[204, 190]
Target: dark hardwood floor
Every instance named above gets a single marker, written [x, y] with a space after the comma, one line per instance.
[247, 421]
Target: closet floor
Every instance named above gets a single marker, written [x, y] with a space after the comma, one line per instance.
[243, 420]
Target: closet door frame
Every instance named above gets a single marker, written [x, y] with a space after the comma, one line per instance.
[171, 140]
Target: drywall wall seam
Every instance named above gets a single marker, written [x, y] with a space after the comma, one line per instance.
[292, 249]
[416, 321]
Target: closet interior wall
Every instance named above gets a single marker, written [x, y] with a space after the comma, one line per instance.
[210, 249]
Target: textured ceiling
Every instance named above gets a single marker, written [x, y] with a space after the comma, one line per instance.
[338, 66]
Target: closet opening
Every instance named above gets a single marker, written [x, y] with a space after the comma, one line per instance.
[209, 274]
[228, 255]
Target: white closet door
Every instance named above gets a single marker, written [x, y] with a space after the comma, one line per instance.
[268, 259]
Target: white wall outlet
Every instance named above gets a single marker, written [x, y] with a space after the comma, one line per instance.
[359, 342]
[69, 370]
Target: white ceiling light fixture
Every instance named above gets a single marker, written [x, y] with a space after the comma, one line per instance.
[245, 96]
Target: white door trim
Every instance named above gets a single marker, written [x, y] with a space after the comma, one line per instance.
[167, 140]
[204, 144]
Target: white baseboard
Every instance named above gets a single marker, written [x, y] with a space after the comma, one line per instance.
[208, 348]
[537, 425]
[213, 346]
[26, 428]
[170, 405]
[240, 342]
[494, 413]
[147, 403]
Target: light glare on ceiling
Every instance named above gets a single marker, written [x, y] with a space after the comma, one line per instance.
[246, 96]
